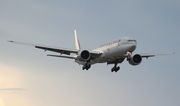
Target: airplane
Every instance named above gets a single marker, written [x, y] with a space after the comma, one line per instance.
[111, 53]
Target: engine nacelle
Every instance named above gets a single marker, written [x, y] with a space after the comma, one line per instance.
[135, 59]
[84, 55]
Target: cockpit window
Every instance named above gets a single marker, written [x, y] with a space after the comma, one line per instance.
[131, 40]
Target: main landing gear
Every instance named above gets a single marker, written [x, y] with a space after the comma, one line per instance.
[115, 68]
[86, 66]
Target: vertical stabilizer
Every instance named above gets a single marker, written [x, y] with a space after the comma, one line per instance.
[77, 44]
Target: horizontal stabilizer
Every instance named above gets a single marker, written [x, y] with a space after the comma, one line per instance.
[62, 56]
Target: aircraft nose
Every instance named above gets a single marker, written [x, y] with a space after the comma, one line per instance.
[133, 47]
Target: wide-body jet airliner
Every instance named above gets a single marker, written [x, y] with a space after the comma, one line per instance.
[111, 53]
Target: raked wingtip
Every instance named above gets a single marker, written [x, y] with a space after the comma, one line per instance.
[10, 41]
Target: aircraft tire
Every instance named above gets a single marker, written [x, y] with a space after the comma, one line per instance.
[113, 69]
[117, 69]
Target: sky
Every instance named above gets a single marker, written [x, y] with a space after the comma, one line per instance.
[28, 77]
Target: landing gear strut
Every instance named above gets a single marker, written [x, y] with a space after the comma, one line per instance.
[115, 68]
[129, 56]
[86, 66]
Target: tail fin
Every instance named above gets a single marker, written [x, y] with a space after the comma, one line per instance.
[77, 44]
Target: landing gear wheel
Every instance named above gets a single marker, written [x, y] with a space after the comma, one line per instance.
[116, 69]
[86, 66]
[83, 67]
[112, 70]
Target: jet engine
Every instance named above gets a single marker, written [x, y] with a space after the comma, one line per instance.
[135, 59]
[84, 55]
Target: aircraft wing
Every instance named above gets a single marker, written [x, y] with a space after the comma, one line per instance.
[47, 48]
[95, 54]
[119, 59]
[147, 55]
[58, 50]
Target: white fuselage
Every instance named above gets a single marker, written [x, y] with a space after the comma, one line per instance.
[110, 51]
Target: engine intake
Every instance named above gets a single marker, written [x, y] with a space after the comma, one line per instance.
[85, 55]
[135, 59]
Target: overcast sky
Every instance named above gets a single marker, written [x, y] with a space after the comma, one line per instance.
[29, 78]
